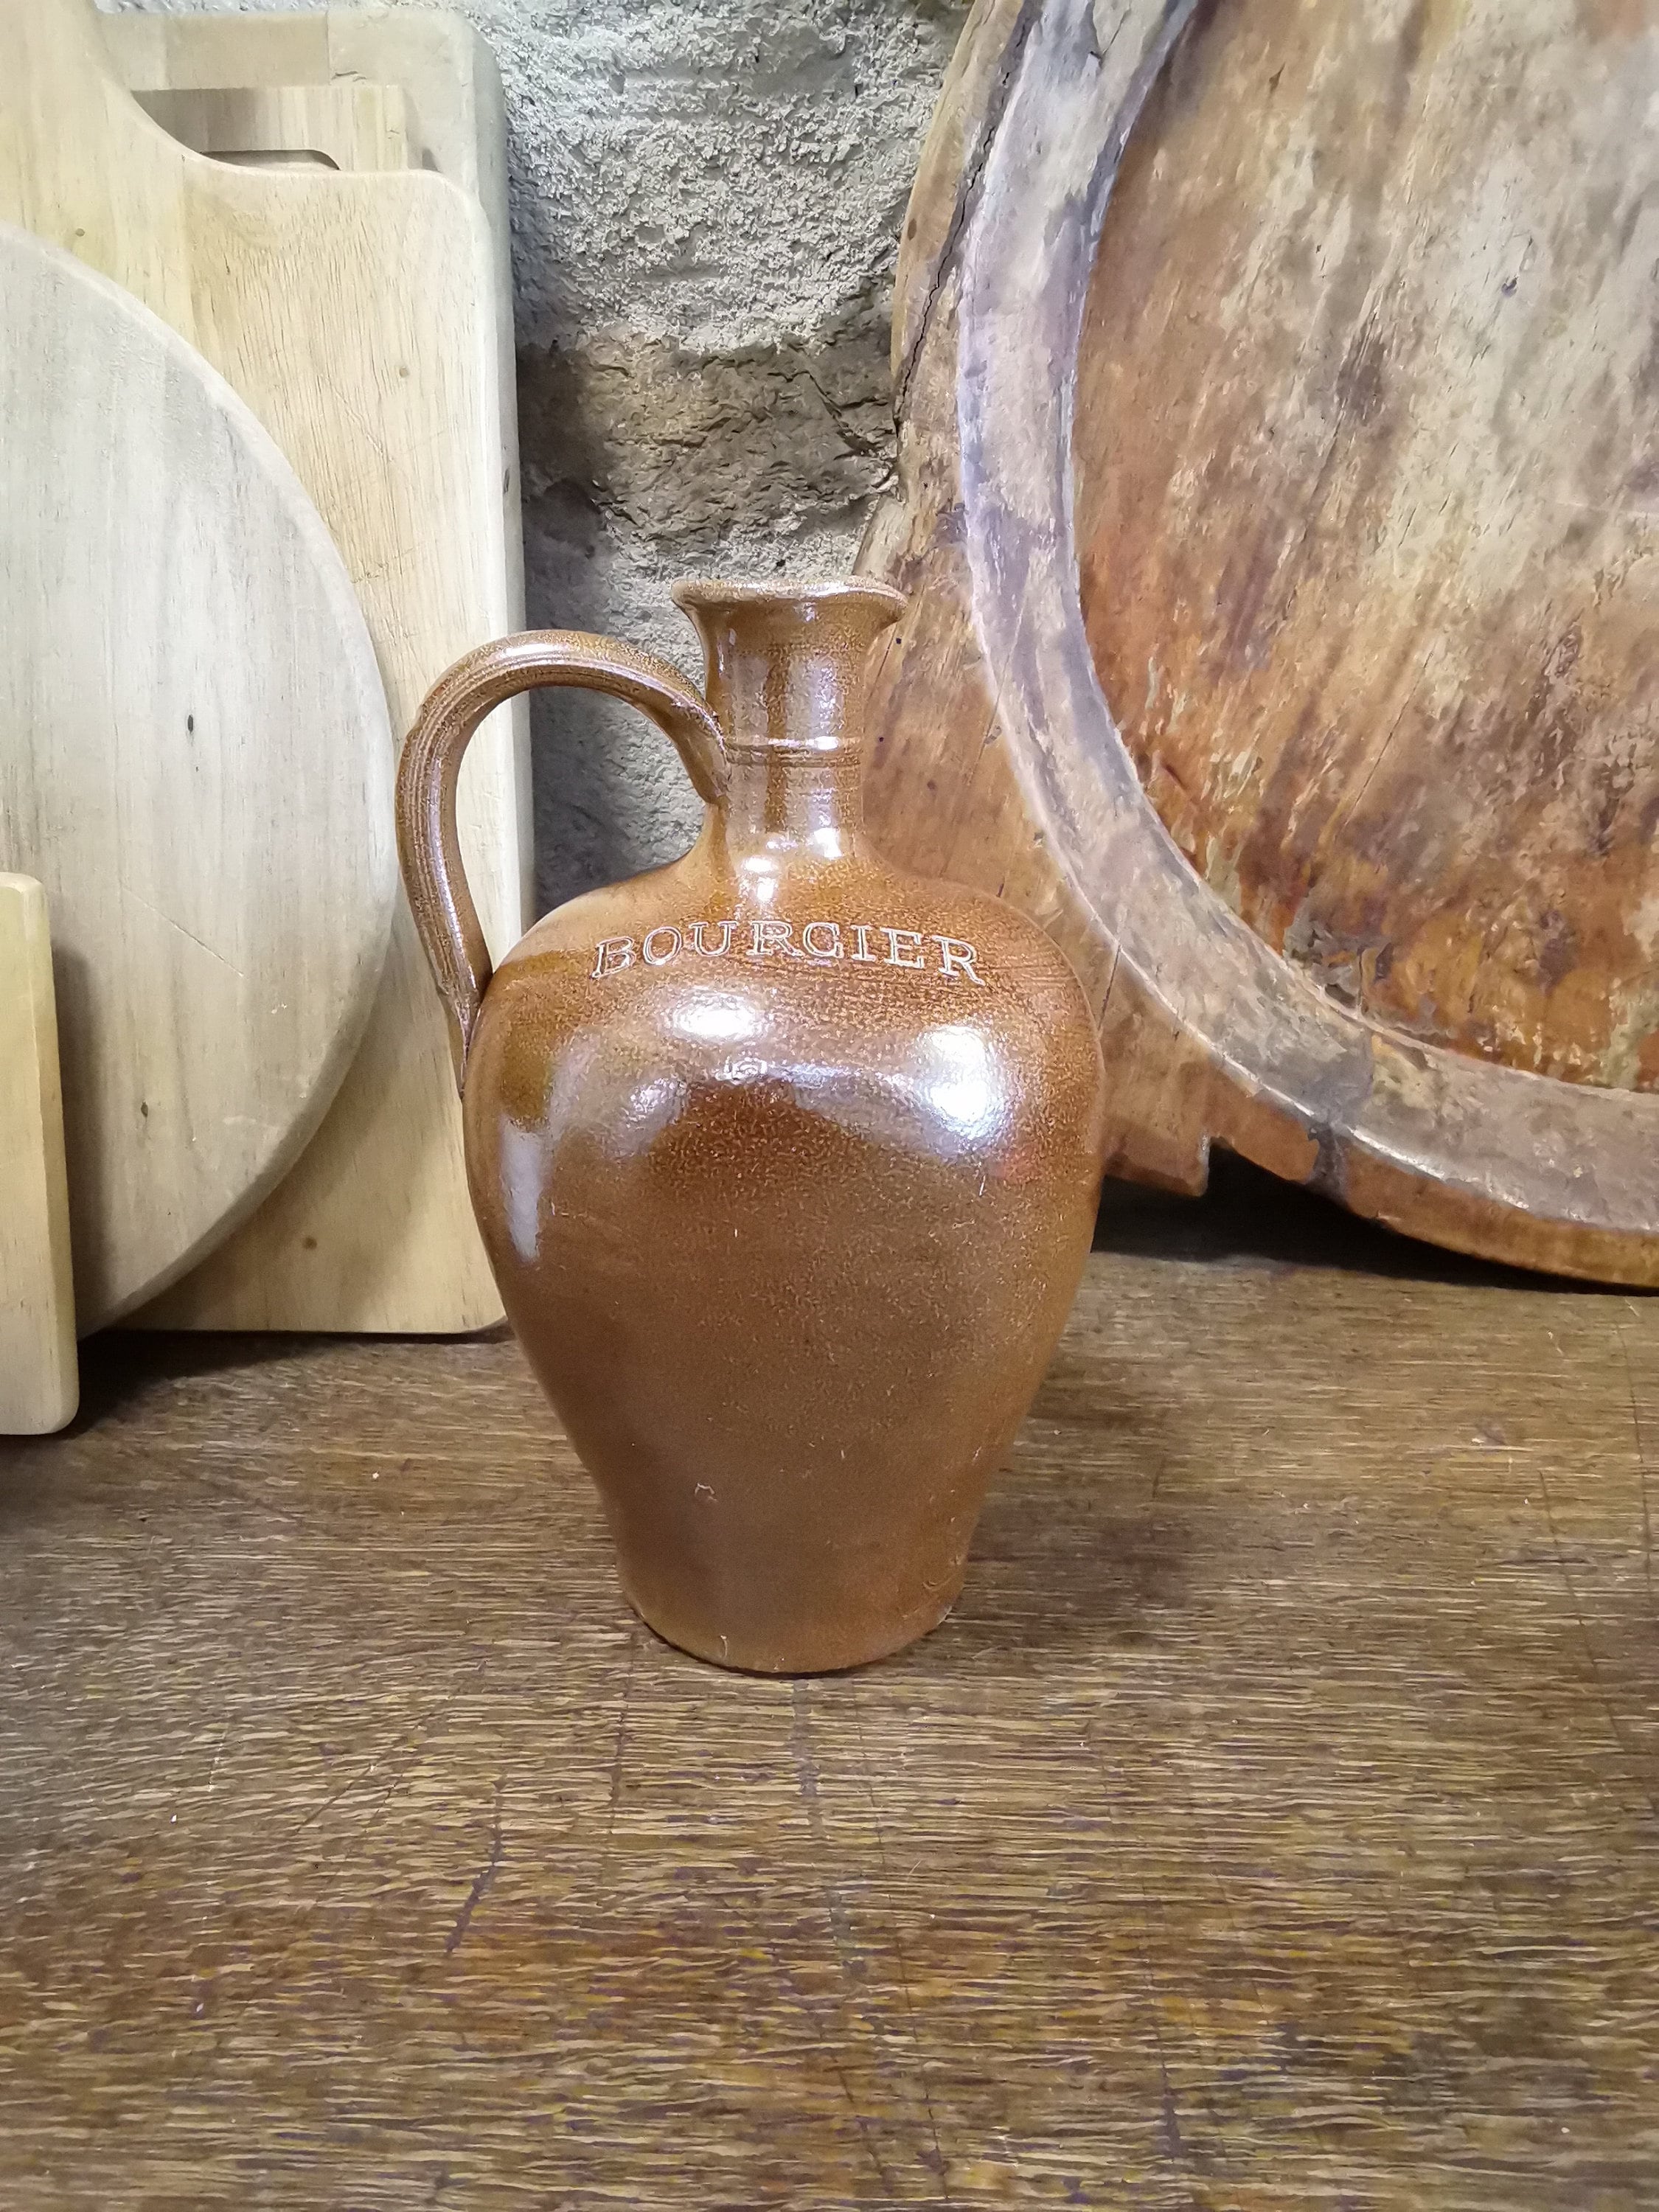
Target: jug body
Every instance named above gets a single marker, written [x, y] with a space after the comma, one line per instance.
[786, 1164]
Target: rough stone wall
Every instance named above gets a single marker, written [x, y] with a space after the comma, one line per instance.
[707, 196]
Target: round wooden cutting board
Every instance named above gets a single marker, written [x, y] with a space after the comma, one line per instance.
[1279, 403]
[184, 692]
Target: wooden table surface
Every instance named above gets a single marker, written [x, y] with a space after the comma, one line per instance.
[1275, 1824]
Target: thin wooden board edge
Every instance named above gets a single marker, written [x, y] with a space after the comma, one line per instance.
[39, 1370]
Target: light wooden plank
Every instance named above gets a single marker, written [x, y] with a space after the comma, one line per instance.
[39, 1384]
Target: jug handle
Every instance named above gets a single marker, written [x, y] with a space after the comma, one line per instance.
[445, 919]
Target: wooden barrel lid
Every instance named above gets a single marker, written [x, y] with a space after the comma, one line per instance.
[1278, 391]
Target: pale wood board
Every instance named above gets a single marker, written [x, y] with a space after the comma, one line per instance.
[359, 316]
[194, 761]
[1271, 1828]
[39, 1381]
[445, 82]
[1271, 495]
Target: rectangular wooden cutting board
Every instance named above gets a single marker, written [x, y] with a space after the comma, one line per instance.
[416, 474]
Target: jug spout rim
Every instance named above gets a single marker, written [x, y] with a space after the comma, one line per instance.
[698, 592]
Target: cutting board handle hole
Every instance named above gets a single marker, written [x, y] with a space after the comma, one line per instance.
[274, 157]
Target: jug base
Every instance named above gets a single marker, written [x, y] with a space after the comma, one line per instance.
[819, 1651]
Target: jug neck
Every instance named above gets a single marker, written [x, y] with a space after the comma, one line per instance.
[785, 676]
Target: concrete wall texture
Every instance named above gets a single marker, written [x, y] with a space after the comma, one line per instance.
[707, 196]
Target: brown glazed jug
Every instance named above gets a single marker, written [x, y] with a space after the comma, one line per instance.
[787, 1162]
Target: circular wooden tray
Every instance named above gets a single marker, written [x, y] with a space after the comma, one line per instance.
[194, 759]
[1279, 407]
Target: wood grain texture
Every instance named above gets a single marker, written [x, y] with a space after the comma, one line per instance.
[1285, 585]
[196, 764]
[430, 71]
[1271, 1826]
[40, 1385]
[359, 316]
[430, 65]
[1374, 605]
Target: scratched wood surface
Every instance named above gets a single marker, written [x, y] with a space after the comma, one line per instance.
[1374, 605]
[1277, 412]
[1273, 1826]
